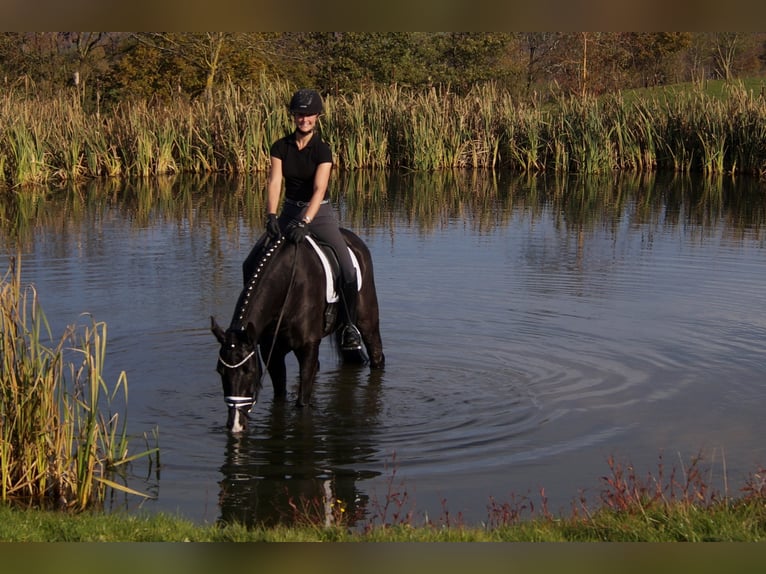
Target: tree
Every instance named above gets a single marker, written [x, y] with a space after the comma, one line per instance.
[87, 54]
[12, 62]
[196, 56]
[538, 47]
[341, 62]
[725, 46]
[164, 64]
[467, 58]
[651, 53]
[41, 59]
[735, 53]
[140, 71]
[194, 64]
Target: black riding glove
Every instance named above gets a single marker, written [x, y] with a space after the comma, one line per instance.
[272, 226]
[297, 232]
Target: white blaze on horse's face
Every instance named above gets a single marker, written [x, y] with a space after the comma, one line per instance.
[239, 406]
[238, 424]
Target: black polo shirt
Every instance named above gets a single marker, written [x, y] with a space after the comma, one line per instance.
[299, 166]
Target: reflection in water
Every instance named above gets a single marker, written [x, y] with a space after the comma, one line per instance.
[304, 464]
[427, 201]
[533, 325]
[488, 201]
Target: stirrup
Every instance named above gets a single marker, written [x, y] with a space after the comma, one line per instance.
[351, 339]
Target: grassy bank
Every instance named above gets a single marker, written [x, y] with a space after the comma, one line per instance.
[711, 128]
[742, 522]
[672, 506]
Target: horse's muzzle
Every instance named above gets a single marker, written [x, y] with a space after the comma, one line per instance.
[237, 420]
[238, 409]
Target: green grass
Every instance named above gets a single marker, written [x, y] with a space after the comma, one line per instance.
[675, 506]
[715, 89]
[743, 522]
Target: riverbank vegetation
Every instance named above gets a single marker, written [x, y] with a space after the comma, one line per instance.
[150, 105]
[80, 105]
[61, 443]
[670, 506]
[54, 140]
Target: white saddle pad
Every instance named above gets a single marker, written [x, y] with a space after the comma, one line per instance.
[330, 292]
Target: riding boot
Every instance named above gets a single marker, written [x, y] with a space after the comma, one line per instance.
[351, 339]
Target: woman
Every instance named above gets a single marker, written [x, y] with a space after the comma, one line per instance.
[305, 162]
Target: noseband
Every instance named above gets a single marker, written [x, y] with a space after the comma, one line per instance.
[233, 401]
[239, 402]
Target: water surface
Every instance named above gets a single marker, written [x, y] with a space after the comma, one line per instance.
[532, 329]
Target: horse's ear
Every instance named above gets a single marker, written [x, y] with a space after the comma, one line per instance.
[217, 331]
[251, 331]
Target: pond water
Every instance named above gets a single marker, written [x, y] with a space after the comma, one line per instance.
[532, 327]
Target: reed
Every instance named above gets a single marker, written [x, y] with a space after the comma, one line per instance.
[60, 444]
[44, 140]
[747, 130]
[27, 154]
[530, 147]
[165, 162]
[482, 109]
[356, 128]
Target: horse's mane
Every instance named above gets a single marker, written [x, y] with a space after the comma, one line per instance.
[241, 311]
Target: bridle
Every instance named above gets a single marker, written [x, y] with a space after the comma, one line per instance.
[238, 365]
[234, 401]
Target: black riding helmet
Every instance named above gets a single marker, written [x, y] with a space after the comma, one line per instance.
[307, 102]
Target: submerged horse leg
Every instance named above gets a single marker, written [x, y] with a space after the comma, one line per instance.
[367, 311]
[369, 324]
[373, 344]
[308, 361]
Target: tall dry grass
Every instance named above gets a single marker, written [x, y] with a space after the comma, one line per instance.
[55, 139]
[61, 444]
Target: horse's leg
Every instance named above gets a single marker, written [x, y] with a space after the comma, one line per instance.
[368, 322]
[368, 319]
[373, 343]
[278, 374]
[276, 368]
[308, 361]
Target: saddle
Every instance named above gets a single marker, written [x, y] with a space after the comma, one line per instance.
[332, 268]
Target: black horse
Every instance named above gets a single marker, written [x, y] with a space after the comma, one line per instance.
[282, 308]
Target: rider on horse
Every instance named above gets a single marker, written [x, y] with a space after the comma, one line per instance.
[304, 160]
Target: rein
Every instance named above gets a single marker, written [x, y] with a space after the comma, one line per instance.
[282, 311]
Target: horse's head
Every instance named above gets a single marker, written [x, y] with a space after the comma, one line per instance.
[240, 369]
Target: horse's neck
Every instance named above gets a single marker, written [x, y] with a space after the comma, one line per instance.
[262, 297]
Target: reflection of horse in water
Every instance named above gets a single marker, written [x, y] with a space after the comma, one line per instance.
[302, 465]
[286, 306]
